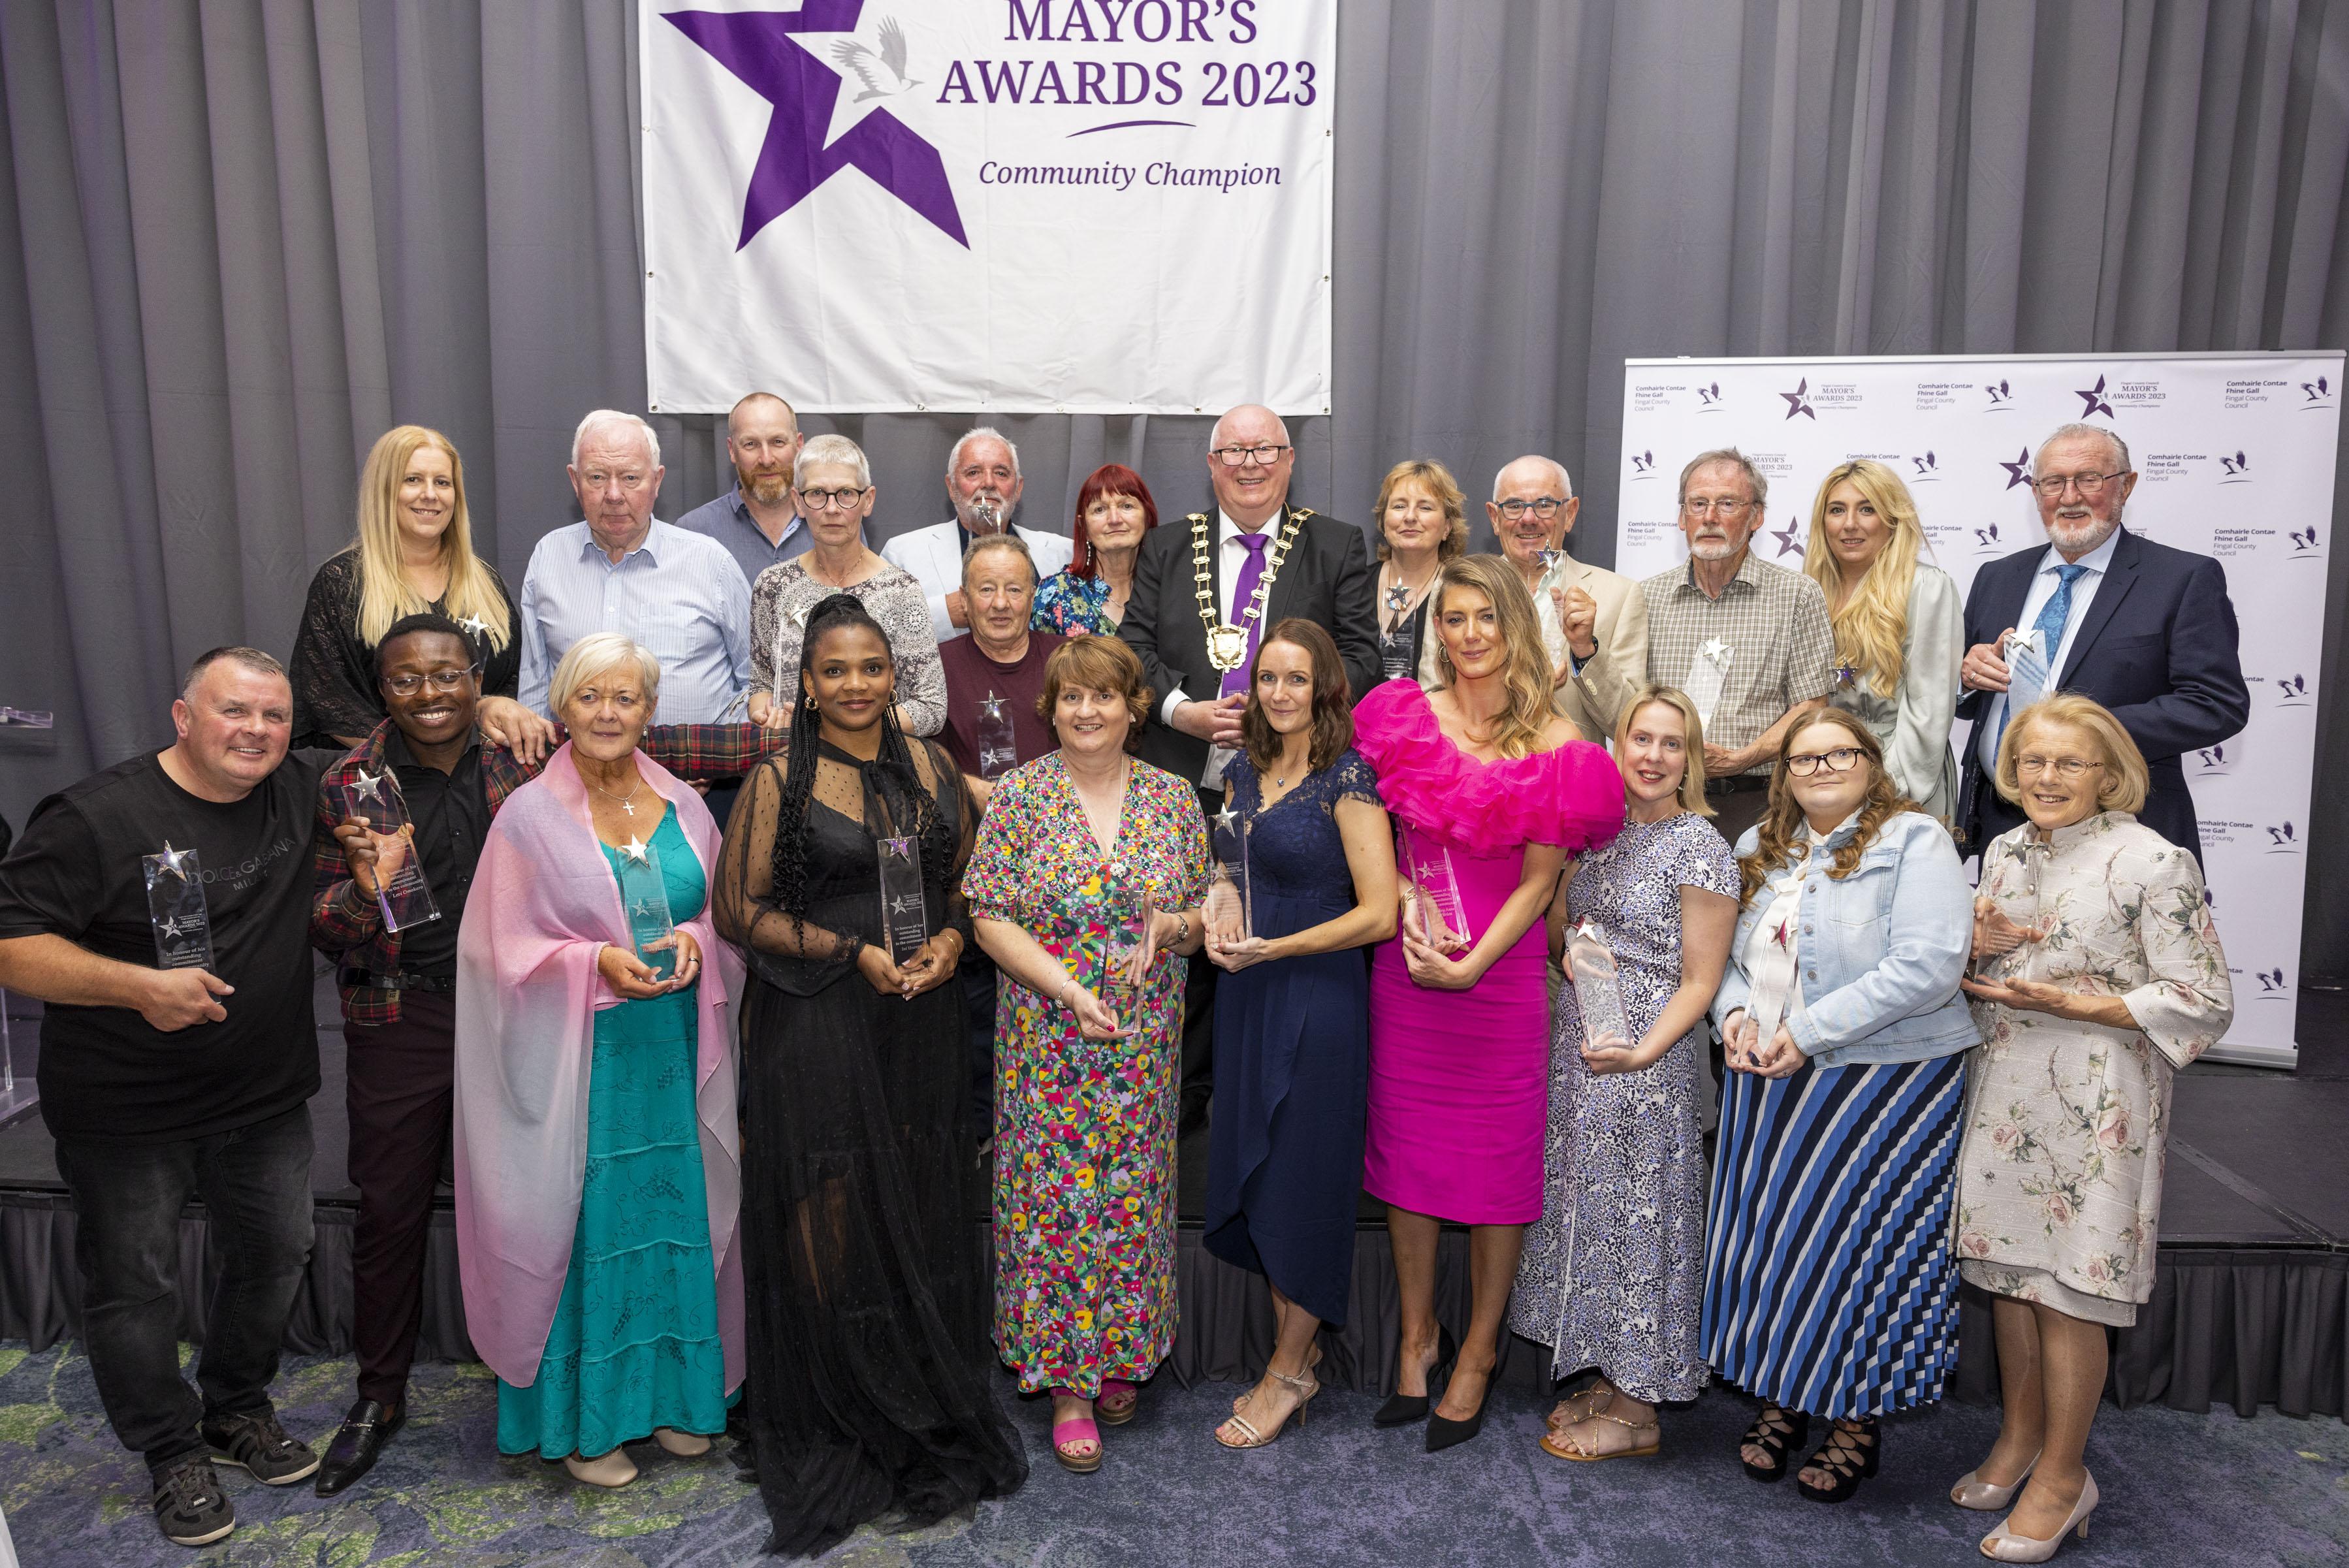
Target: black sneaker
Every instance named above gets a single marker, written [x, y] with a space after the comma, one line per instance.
[191, 1509]
[258, 1443]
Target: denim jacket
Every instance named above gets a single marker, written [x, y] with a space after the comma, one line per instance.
[1880, 953]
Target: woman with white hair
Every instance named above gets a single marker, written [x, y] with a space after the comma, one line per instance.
[831, 486]
[598, 1164]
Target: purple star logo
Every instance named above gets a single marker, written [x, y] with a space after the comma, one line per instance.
[2019, 470]
[757, 48]
[2094, 397]
[1798, 400]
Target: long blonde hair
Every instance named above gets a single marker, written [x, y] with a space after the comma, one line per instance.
[1874, 621]
[1526, 671]
[384, 594]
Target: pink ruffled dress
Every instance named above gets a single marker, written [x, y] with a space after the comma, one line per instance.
[1459, 1079]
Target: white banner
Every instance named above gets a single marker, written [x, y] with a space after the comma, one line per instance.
[2235, 459]
[1081, 206]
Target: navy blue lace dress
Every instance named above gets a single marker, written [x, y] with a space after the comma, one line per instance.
[1292, 1054]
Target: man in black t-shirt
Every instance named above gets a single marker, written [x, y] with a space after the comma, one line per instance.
[161, 1084]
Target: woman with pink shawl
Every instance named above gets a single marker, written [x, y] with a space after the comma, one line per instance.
[598, 1164]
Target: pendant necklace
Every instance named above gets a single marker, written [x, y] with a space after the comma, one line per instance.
[628, 801]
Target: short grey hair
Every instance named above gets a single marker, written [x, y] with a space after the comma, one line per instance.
[252, 658]
[596, 654]
[1565, 479]
[832, 449]
[1759, 486]
[1010, 542]
[981, 433]
[597, 419]
[2066, 432]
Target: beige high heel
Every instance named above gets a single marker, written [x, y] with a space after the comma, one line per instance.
[610, 1471]
[1988, 1497]
[684, 1445]
[2001, 1545]
[1307, 1386]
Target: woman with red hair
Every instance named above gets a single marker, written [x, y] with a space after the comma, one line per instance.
[1113, 512]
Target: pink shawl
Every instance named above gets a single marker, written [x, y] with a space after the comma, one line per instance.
[543, 900]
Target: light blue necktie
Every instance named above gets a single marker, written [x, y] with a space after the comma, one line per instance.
[2052, 615]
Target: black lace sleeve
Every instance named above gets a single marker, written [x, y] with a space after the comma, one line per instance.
[502, 674]
[334, 703]
[784, 950]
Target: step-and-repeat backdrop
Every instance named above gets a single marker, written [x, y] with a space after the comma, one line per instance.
[1025, 206]
[2235, 458]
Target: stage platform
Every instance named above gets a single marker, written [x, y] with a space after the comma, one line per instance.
[2250, 1304]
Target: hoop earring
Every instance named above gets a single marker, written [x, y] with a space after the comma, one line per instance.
[810, 704]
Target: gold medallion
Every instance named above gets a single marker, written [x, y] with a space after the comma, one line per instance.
[1226, 647]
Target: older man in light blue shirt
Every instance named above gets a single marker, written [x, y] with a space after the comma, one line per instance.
[623, 570]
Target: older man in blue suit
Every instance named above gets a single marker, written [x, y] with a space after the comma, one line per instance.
[2146, 629]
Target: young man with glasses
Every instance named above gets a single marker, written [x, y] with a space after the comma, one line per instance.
[1205, 592]
[427, 762]
[983, 487]
[1593, 621]
[1749, 641]
[2145, 629]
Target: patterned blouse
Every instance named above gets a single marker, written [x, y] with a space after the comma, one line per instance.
[1073, 605]
[784, 593]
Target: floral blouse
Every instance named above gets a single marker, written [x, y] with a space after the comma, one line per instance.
[1072, 605]
[780, 601]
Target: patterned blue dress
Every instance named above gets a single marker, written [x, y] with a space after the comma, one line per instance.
[1292, 1054]
[1613, 1273]
[633, 1344]
[1073, 605]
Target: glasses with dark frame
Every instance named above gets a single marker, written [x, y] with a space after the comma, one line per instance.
[440, 681]
[1841, 760]
[1263, 453]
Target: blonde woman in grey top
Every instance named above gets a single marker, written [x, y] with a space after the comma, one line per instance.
[1898, 623]
[832, 490]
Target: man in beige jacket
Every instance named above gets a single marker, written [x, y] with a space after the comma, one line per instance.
[1594, 621]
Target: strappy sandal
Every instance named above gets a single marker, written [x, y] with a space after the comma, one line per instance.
[1118, 1401]
[1313, 1360]
[1306, 1386]
[1578, 1407]
[1776, 1431]
[1559, 1445]
[1845, 1458]
[1067, 1434]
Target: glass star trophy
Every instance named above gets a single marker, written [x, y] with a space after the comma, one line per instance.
[904, 913]
[2026, 668]
[175, 908]
[1230, 906]
[1707, 677]
[1123, 908]
[999, 751]
[644, 893]
[1431, 889]
[1598, 990]
[1765, 1004]
[400, 890]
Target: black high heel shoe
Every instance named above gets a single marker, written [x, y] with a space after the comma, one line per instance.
[1443, 1432]
[1402, 1409]
[1775, 1432]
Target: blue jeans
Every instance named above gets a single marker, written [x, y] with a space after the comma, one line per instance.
[254, 1183]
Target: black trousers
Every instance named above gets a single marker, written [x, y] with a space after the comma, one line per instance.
[400, 1082]
[254, 1183]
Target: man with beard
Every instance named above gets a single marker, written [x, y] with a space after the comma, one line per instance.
[398, 986]
[1594, 622]
[2146, 629]
[983, 485]
[1747, 641]
[755, 520]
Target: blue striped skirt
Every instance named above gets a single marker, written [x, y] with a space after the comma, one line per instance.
[1829, 1283]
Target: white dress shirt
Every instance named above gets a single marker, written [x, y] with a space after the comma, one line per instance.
[2043, 584]
[680, 594]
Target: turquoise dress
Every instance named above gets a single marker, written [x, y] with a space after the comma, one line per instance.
[635, 1342]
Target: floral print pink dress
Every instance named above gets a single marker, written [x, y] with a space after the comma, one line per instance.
[1084, 1129]
[2059, 1193]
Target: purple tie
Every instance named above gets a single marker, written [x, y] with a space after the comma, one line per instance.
[1242, 592]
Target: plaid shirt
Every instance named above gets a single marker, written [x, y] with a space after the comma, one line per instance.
[348, 925]
[1776, 624]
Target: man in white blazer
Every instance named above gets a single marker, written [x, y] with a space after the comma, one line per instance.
[1594, 621]
[983, 483]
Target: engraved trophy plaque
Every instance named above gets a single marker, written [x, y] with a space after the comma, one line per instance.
[1229, 909]
[1597, 989]
[2026, 656]
[175, 908]
[904, 911]
[1123, 910]
[1433, 889]
[1707, 677]
[644, 893]
[400, 890]
[999, 751]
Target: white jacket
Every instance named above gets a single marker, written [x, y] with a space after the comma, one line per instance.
[933, 555]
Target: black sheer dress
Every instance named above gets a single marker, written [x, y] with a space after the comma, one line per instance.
[866, 1281]
[333, 671]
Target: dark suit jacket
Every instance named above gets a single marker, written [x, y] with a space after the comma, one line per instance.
[1326, 578]
[2157, 647]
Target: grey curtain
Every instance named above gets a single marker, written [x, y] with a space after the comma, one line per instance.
[240, 237]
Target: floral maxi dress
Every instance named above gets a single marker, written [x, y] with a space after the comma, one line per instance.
[2060, 1191]
[1084, 1129]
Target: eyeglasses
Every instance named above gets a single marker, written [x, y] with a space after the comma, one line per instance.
[825, 500]
[2065, 767]
[1545, 507]
[439, 680]
[2091, 484]
[1802, 765]
[1265, 454]
[1724, 510]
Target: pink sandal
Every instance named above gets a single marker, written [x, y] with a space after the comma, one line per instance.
[1075, 1430]
[1117, 1402]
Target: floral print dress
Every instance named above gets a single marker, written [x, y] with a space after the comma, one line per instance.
[2060, 1194]
[1084, 1129]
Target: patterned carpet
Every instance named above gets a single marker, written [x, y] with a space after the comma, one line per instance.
[2179, 1490]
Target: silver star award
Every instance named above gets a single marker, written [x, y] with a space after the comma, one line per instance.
[635, 849]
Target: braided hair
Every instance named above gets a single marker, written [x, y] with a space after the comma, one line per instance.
[894, 778]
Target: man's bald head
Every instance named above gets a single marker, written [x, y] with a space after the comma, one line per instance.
[1253, 489]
